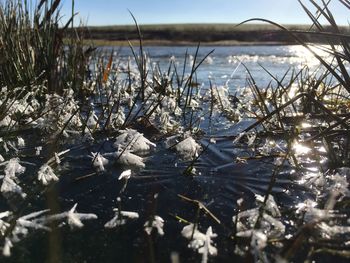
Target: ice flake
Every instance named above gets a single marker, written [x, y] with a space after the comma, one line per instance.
[129, 159]
[270, 206]
[332, 231]
[57, 158]
[74, 218]
[247, 219]
[20, 142]
[200, 241]
[92, 121]
[9, 184]
[4, 225]
[99, 161]
[251, 138]
[38, 150]
[20, 230]
[208, 248]
[120, 218]
[6, 250]
[46, 174]
[156, 222]
[134, 141]
[31, 221]
[125, 175]
[6, 121]
[188, 148]
[13, 167]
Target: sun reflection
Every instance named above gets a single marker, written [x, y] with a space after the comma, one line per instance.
[301, 52]
[305, 125]
[300, 149]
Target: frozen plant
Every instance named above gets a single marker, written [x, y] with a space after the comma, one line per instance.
[200, 241]
[155, 222]
[46, 174]
[120, 218]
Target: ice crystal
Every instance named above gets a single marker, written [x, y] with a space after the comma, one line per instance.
[46, 174]
[199, 241]
[20, 142]
[9, 183]
[270, 206]
[247, 219]
[129, 159]
[74, 219]
[155, 222]
[21, 229]
[188, 148]
[99, 161]
[4, 225]
[125, 175]
[121, 218]
[134, 141]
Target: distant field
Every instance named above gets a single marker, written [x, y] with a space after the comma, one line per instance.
[221, 34]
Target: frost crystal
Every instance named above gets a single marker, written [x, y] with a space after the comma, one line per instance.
[200, 241]
[120, 218]
[20, 142]
[99, 162]
[270, 206]
[46, 174]
[156, 222]
[188, 148]
[129, 159]
[20, 229]
[74, 218]
[134, 141]
[6, 251]
[125, 175]
[4, 225]
[9, 184]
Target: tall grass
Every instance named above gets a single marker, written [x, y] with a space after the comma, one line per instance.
[33, 54]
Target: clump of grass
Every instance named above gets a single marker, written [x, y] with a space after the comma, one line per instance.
[33, 52]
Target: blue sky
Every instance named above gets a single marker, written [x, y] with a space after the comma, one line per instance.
[114, 12]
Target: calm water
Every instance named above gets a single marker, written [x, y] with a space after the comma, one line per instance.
[225, 63]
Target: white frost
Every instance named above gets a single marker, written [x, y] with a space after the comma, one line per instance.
[156, 222]
[46, 174]
[120, 218]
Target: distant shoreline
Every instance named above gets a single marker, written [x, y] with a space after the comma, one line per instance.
[206, 34]
[101, 43]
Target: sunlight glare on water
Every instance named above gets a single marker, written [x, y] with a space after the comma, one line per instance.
[305, 56]
[300, 149]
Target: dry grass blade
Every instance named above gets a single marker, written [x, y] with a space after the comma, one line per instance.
[108, 68]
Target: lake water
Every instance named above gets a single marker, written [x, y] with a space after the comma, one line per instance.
[225, 63]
